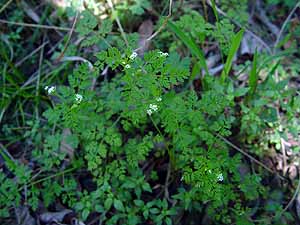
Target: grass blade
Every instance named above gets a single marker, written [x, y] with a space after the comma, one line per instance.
[192, 46]
[253, 77]
[215, 10]
[235, 44]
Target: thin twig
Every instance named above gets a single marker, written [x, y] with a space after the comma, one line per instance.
[167, 196]
[164, 23]
[262, 42]
[293, 198]
[2, 147]
[285, 23]
[35, 25]
[263, 17]
[161, 27]
[5, 5]
[51, 176]
[77, 58]
[110, 4]
[249, 156]
[39, 78]
[69, 37]
[19, 63]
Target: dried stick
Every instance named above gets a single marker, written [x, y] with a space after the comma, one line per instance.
[69, 38]
[35, 25]
[78, 58]
[5, 5]
[249, 156]
[285, 23]
[19, 63]
[293, 198]
[246, 29]
[263, 17]
[161, 27]
[110, 4]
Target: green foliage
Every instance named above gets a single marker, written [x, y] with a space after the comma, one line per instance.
[184, 122]
[288, 3]
[189, 43]
[193, 30]
[143, 148]
[236, 10]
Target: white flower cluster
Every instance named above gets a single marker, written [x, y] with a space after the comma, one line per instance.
[220, 177]
[78, 98]
[50, 90]
[163, 53]
[158, 99]
[133, 55]
[153, 107]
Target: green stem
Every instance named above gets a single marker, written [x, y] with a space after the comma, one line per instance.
[51, 176]
[171, 155]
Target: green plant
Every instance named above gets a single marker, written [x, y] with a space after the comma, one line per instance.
[138, 98]
[138, 147]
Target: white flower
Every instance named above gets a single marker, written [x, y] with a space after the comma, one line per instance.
[133, 55]
[50, 90]
[220, 177]
[153, 107]
[158, 99]
[127, 66]
[149, 112]
[78, 98]
[163, 53]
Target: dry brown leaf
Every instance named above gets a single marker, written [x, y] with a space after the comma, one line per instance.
[292, 172]
[279, 166]
[145, 31]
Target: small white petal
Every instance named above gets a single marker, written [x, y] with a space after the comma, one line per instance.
[51, 90]
[133, 55]
[78, 98]
[149, 112]
[163, 53]
[158, 99]
[127, 66]
[153, 107]
[220, 177]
